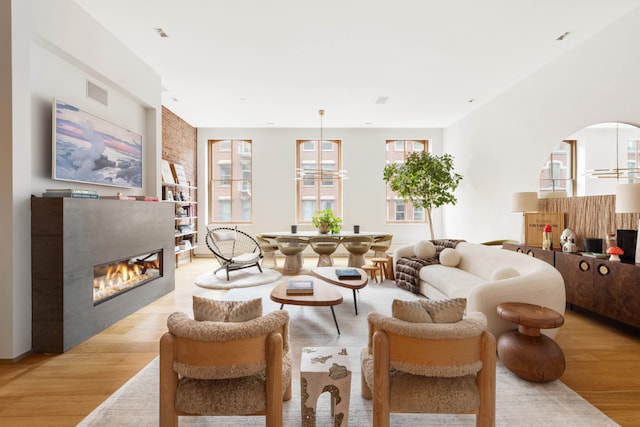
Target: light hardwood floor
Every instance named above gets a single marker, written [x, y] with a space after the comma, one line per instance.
[603, 363]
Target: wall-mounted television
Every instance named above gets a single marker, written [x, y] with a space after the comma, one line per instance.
[92, 150]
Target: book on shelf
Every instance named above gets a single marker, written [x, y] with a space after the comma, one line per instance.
[300, 287]
[70, 192]
[119, 197]
[147, 198]
[348, 274]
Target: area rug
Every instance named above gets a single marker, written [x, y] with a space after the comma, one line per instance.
[518, 402]
[238, 278]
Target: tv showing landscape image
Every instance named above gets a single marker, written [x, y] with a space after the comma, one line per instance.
[92, 150]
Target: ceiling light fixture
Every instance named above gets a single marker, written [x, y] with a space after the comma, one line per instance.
[630, 173]
[321, 173]
[382, 100]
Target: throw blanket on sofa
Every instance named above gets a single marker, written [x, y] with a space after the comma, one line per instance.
[408, 268]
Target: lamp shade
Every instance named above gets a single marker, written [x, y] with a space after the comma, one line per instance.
[526, 201]
[628, 198]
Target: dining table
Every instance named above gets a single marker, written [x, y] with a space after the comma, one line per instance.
[305, 234]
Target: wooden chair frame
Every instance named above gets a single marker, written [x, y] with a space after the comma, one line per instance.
[267, 348]
[388, 346]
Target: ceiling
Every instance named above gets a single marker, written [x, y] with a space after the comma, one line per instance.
[367, 63]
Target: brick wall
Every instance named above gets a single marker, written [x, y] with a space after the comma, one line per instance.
[179, 144]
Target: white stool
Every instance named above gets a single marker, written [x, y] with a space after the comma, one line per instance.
[325, 369]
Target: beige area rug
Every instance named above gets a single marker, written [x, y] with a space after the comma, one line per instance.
[519, 403]
[237, 279]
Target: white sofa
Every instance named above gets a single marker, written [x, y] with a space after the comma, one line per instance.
[482, 277]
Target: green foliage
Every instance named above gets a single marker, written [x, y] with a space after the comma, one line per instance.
[327, 217]
[424, 179]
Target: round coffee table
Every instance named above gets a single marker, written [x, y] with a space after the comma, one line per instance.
[525, 351]
[324, 294]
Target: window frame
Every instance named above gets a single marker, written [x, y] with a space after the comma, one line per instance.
[392, 148]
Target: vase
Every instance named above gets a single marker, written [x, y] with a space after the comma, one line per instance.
[323, 228]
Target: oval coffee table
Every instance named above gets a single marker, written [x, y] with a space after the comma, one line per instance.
[329, 274]
[324, 294]
[525, 351]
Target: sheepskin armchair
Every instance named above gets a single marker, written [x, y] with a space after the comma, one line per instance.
[225, 368]
[429, 368]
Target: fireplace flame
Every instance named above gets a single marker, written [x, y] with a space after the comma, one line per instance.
[116, 277]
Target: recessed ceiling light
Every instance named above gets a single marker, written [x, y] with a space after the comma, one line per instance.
[471, 100]
[382, 100]
[161, 32]
[271, 123]
[368, 123]
[564, 36]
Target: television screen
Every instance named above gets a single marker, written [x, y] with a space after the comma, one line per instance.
[89, 149]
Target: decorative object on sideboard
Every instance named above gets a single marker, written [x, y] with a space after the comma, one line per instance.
[535, 223]
[570, 246]
[567, 235]
[614, 253]
[526, 201]
[592, 244]
[627, 241]
[628, 201]
[547, 237]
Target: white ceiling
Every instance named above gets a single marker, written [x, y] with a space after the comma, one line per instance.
[257, 63]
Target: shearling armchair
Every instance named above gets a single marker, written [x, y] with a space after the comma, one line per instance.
[429, 368]
[225, 368]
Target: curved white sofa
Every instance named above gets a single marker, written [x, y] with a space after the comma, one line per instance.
[536, 282]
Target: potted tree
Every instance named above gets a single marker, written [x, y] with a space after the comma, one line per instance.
[424, 179]
[326, 221]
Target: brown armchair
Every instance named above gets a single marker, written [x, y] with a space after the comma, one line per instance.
[429, 368]
[225, 368]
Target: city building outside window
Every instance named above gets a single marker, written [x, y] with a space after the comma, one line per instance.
[315, 190]
[396, 152]
[230, 174]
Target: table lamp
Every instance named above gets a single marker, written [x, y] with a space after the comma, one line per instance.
[628, 201]
[525, 201]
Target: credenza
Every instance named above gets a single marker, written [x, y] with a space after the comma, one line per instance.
[608, 288]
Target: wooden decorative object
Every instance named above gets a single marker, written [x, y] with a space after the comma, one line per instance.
[534, 225]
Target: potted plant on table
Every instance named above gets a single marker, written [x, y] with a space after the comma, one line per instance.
[325, 221]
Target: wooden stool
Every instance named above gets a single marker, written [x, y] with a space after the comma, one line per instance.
[525, 351]
[325, 369]
[372, 271]
[383, 265]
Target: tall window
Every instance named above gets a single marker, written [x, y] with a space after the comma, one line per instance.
[316, 190]
[396, 152]
[558, 173]
[229, 181]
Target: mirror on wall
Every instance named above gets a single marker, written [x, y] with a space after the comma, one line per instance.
[592, 161]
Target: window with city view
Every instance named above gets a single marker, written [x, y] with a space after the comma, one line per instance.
[558, 173]
[317, 186]
[397, 209]
[229, 181]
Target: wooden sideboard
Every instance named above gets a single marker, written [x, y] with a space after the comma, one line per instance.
[609, 288]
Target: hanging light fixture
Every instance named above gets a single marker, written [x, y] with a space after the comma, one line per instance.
[632, 173]
[320, 173]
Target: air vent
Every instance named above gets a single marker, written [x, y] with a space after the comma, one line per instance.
[96, 93]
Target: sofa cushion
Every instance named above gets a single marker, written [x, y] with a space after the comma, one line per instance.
[428, 311]
[226, 311]
[451, 281]
[450, 257]
[410, 311]
[424, 249]
[502, 273]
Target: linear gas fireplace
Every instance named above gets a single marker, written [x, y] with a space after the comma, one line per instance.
[115, 277]
[94, 262]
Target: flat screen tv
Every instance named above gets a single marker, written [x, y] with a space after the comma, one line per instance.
[91, 150]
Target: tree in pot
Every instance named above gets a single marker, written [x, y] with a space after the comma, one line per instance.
[326, 221]
[424, 179]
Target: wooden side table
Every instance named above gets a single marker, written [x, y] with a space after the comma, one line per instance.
[325, 369]
[525, 351]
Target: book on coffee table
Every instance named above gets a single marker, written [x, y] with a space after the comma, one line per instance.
[300, 287]
[347, 274]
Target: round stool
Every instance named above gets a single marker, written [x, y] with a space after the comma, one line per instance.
[372, 271]
[383, 265]
[525, 351]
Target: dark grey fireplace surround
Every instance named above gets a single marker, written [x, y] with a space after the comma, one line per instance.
[68, 238]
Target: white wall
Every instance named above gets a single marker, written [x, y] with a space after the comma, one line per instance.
[273, 192]
[54, 48]
[501, 147]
